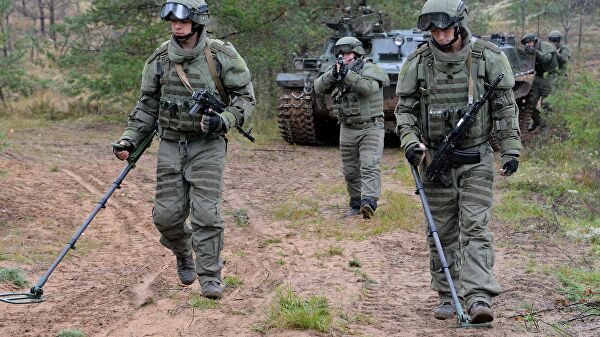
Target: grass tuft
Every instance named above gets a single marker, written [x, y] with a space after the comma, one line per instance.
[578, 284]
[289, 310]
[14, 276]
[203, 303]
[232, 281]
[71, 333]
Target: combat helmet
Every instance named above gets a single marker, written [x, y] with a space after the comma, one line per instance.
[443, 14]
[195, 10]
[529, 37]
[348, 44]
[554, 36]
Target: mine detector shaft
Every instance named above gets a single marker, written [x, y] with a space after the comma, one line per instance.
[308, 119]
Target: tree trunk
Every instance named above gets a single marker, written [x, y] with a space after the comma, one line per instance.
[52, 21]
[523, 3]
[580, 30]
[42, 17]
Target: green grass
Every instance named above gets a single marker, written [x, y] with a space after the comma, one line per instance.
[239, 253]
[403, 174]
[354, 263]
[14, 276]
[297, 208]
[330, 251]
[3, 173]
[364, 277]
[53, 169]
[289, 310]
[241, 218]
[232, 281]
[203, 303]
[71, 333]
[397, 212]
[269, 242]
[578, 284]
[280, 262]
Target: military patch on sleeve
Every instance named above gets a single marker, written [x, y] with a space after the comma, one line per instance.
[224, 47]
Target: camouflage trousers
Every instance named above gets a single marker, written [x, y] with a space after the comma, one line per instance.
[361, 159]
[189, 182]
[541, 87]
[462, 213]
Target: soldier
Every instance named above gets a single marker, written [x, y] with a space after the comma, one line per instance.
[563, 52]
[357, 87]
[546, 66]
[435, 83]
[191, 155]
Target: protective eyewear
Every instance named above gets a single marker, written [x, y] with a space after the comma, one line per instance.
[440, 21]
[179, 11]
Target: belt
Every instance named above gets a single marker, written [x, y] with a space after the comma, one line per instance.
[364, 123]
[174, 136]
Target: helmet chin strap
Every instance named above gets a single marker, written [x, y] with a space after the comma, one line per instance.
[196, 28]
[447, 46]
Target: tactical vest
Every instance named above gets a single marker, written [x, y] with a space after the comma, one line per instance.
[352, 107]
[175, 99]
[547, 67]
[444, 96]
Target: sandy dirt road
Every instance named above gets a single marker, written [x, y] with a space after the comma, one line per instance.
[121, 282]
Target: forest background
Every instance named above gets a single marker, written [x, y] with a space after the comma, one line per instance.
[68, 60]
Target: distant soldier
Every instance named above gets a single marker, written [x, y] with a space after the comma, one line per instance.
[435, 84]
[546, 70]
[357, 87]
[563, 52]
[192, 151]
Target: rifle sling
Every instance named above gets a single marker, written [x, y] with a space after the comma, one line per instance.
[213, 73]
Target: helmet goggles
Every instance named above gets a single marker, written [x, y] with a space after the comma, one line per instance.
[179, 11]
[554, 39]
[438, 20]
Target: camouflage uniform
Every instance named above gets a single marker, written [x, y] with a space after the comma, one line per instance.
[432, 87]
[546, 71]
[563, 52]
[358, 101]
[190, 163]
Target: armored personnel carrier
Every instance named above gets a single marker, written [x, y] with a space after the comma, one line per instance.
[308, 119]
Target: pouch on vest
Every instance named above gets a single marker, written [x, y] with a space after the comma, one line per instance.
[348, 107]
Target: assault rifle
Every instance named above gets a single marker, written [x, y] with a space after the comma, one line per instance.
[447, 152]
[341, 88]
[207, 101]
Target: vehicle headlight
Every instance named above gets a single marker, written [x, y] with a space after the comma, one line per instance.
[399, 40]
[299, 64]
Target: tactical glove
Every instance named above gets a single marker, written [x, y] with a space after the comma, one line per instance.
[211, 123]
[122, 145]
[343, 71]
[510, 164]
[414, 157]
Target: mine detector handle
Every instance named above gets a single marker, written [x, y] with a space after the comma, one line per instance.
[36, 292]
[442, 160]
[204, 100]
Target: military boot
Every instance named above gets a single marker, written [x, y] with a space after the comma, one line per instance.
[368, 207]
[211, 289]
[354, 207]
[186, 269]
[444, 311]
[533, 126]
[481, 312]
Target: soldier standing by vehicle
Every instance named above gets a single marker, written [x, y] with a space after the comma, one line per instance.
[546, 70]
[357, 87]
[191, 156]
[563, 52]
[435, 84]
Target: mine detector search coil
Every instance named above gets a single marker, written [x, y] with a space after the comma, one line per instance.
[205, 100]
[36, 292]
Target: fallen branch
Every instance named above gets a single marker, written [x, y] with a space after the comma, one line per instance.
[590, 304]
